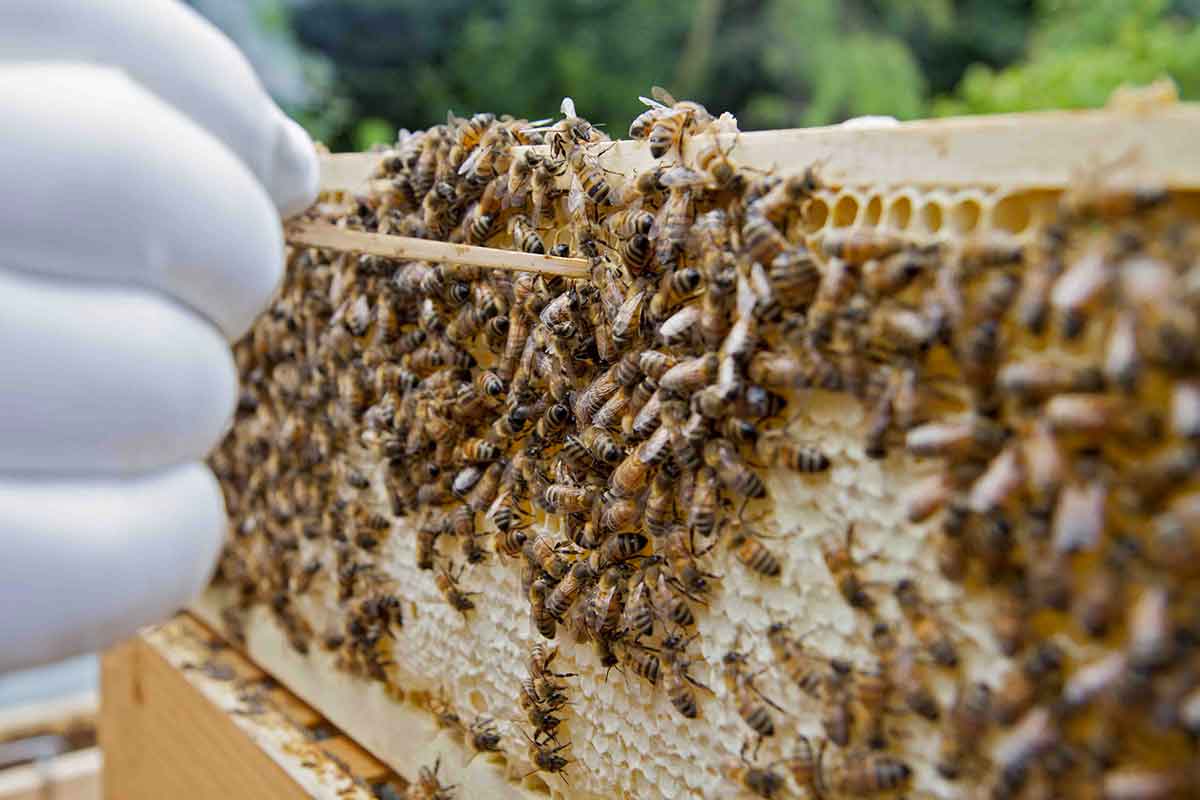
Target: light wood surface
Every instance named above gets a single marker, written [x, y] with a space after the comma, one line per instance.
[1040, 150]
[56, 715]
[73, 776]
[185, 716]
[319, 234]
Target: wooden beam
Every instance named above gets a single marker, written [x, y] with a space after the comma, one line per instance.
[318, 234]
[72, 776]
[178, 720]
[1039, 150]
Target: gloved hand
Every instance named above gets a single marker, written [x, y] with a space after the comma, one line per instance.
[144, 171]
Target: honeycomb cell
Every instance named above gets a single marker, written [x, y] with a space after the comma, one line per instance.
[845, 211]
[965, 215]
[873, 212]
[899, 212]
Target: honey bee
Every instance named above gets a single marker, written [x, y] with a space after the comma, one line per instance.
[837, 715]
[929, 630]
[551, 425]
[542, 552]
[675, 288]
[609, 416]
[802, 667]
[447, 584]
[510, 542]
[525, 236]
[563, 596]
[681, 556]
[483, 736]
[588, 181]
[763, 242]
[777, 451]
[570, 131]
[1040, 673]
[843, 566]
[677, 216]
[859, 245]
[753, 554]
[659, 513]
[676, 678]
[643, 662]
[752, 705]
[623, 546]
[866, 774]
[591, 399]
[967, 721]
[760, 781]
[732, 471]
[670, 120]
[547, 759]
[429, 787]
[631, 475]
[545, 624]
[903, 673]
[676, 330]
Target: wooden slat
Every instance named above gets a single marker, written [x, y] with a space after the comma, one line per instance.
[73, 776]
[317, 234]
[55, 715]
[162, 738]
[1040, 150]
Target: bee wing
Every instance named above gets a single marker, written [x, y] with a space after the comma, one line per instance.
[662, 95]
[539, 122]
[568, 107]
[472, 160]
[649, 102]
[746, 297]
[575, 199]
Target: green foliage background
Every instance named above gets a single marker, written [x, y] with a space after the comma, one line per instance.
[381, 64]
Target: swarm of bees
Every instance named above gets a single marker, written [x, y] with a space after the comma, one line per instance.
[604, 438]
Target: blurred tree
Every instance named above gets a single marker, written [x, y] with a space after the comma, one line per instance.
[1081, 50]
[373, 65]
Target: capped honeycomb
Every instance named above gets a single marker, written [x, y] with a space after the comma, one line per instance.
[928, 458]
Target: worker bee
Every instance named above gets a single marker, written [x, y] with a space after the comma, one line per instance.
[430, 787]
[631, 475]
[559, 602]
[681, 557]
[542, 552]
[732, 471]
[762, 240]
[837, 715]
[929, 631]
[676, 678]
[571, 131]
[1040, 673]
[588, 181]
[539, 591]
[748, 548]
[762, 782]
[859, 245]
[659, 513]
[679, 213]
[668, 122]
[777, 451]
[967, 721]
[551, 425]
[902, 673]
[843, 566]
[547, 759]
[865, 774]
[525, 236]
[752, 704]
[643, 662]
[447, 584]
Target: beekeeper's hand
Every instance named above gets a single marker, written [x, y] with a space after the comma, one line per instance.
[143, 170]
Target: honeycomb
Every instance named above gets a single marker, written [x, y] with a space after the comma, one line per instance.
[308, 475]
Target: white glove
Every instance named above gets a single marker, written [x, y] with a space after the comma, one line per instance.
[144, 171]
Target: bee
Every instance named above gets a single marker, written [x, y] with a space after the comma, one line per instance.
[761, 781]
[547, 759]
[525, 236]
[631, 475]
[623, 546]
[802, 667]
[545, 624]
[676, 678]
[609, 416]
[763, 242]
[509, 542]
[643, 662]
[866, 774]
[753, 554]
[563, 596]
[602, 610]
[838, 281]
[775, 370]
[565, 499]
[670, 605]
[752, 705]
[859, 245]
[842, 565]
[447, 584]
[477, 451]
[589, 181]
[1079, 517]
[619, 514]
[681, 556]
[483, 735]
[1040, 672]
[967, 437]
[570, 131]
[638, 615]
[776, 451]
[509, 425]
[902, 673]
[928, 630]
[967, 722]
[676, 329]
[552, 424]
[590, 400]
[837, 716]
[679, 213]
[794, 277]
[542, 552]
[437, 209]
[732, 471]
[713, 160]
[659, 514]
[669, 121]
[428, 785]
[687, 376]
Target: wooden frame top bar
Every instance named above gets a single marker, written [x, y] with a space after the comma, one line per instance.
[1039, 150]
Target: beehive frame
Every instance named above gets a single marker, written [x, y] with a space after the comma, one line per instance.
[930, 180]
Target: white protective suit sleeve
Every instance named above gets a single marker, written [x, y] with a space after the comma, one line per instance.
[145, 171]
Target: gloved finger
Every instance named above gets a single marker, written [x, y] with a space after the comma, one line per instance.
[183, 59]
[106, 379]
[109, 183]
[89, 561]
